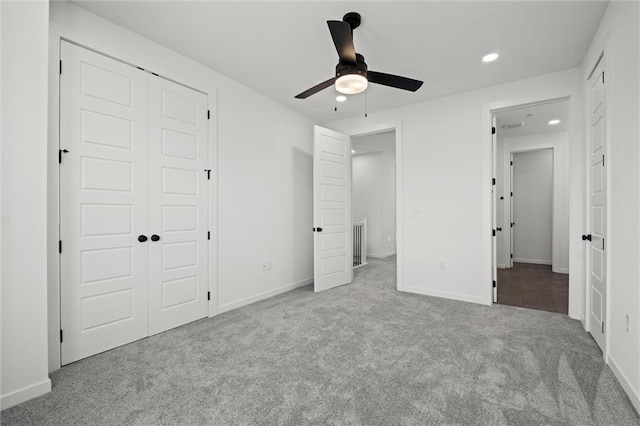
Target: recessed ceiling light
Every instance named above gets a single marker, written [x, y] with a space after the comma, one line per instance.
[490, 57]
[353, 151]
[554, 122]
[341, 98]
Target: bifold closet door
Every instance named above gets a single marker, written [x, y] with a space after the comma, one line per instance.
[178, 200]
[103, 203]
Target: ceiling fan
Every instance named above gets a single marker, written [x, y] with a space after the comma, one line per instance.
[352, 74]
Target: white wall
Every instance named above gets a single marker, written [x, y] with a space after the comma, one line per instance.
[24, 221]
[261, 175]
[533, 206]
[618, 34]
[373, 191]
[446, 184]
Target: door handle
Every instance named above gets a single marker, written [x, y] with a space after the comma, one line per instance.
[586, 237]
[319, 229]
[499, 229]
[155, 237]
[142, 238]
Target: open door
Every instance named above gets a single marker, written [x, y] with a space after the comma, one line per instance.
[332, 241]
[494, 226]
[597, 259]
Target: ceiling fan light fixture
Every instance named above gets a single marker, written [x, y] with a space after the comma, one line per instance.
[351, 84]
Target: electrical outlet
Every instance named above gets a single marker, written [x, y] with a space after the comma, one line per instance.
[628, 323]
[264, 266]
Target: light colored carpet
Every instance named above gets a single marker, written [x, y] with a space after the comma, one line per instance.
[358, 354]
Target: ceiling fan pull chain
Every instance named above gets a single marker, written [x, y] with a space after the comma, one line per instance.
[366, 103]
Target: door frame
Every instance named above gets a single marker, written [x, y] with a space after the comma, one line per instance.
[53, 189]
[367, 128]
[577, 282]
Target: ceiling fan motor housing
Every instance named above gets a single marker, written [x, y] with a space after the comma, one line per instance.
[348, 68]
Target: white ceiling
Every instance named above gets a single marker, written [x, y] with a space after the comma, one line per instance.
[283, 48]
[535, 118]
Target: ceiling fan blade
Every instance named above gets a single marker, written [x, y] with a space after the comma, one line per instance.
[394, 81]
[315, 89]
[343, 39]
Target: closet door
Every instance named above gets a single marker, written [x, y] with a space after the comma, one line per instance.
[103, 203]
[178, 199]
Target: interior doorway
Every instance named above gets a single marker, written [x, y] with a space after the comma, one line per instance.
[531, 211]
[374, 214]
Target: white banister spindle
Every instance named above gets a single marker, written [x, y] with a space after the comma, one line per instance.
[360, 243]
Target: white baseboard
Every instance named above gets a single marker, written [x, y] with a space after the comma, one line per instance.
[267, 294]
[561, 270]
[634, 397]
[381, 256]
[501, 266]
[535, 261]
[25, 394]
[447, 295]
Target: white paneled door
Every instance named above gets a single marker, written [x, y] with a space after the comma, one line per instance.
[133, 204]
[178, 267]
[597, 206]
[333, 245]
[103, 203]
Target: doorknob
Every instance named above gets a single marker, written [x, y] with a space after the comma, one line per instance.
[142, 238]
[319, 229]
[155, 237]
[499, 229]
[586, 237]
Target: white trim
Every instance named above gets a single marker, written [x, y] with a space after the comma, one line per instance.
[534, 261]
[448, 295]
[25, 394]
[633, 395]
[381, 255]
[262, 296]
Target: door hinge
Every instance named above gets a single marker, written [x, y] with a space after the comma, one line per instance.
[493, 232]
[208, 235]
[208, 173]
[208, 295]
[493, 181]
[60, 66]
[493, 130]
[60, 152]
[512, 223]
[208, 114]
[602, 160]
[511, 255]
[603, 77]
[61, 336]
[59, 246]
[511, 163]
[495, 284]
[602, 327]
[603, 244]
[512, 193]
